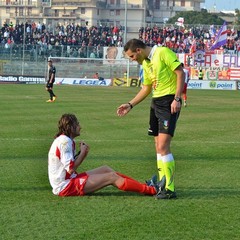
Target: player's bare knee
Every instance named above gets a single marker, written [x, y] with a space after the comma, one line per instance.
[163, 149]
[107, 169]
[113, 176]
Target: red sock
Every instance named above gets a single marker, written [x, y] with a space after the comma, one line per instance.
[132, 185]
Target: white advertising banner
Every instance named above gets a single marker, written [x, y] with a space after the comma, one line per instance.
[213, 85]
[115, 56]
[238, 85]
[8, 78]
[84, 81]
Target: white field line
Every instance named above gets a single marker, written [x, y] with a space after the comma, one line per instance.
[123, 140]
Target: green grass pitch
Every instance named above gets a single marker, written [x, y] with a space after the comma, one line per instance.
[206, 149]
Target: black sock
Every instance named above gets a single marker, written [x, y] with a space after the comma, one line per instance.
[51, 94]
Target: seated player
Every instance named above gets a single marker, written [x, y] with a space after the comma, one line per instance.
[63, 163]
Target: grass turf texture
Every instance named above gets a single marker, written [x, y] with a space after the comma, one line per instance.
[206, 150]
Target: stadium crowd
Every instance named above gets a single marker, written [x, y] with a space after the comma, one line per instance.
[73, 37]
[76, 40]
[185, 40]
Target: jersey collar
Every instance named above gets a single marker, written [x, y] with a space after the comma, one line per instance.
[152, 52]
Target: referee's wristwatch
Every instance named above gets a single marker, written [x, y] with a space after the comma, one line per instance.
[177, 99]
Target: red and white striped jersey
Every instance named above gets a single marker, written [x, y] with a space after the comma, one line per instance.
[60, 162]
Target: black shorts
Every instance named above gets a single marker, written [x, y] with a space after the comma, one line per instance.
[161, 119]
[49, 85]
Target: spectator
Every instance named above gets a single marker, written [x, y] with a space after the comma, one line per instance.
[96, 75]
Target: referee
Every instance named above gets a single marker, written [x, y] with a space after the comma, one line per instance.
[163, 76]
[51, 80]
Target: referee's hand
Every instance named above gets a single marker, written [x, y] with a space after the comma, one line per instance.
[123, 109]
[175, 106]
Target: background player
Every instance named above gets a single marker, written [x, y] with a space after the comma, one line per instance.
[51, 80]
[184, 93]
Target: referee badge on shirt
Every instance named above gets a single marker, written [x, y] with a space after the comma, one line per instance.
[165, 124]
